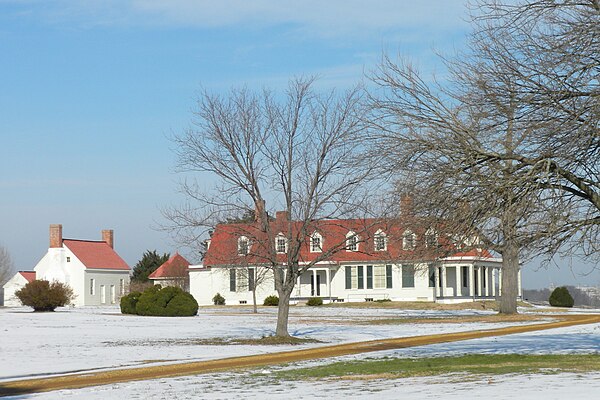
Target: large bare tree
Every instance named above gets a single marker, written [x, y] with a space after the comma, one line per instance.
[299, 152]
[505, 148]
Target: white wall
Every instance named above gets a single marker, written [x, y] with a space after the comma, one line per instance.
[15, 283]
[106, 278]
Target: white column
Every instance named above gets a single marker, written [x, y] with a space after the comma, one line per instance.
[299, 290]
[436, 282]
[328, 279]
[314, 293]
[444, 290]
[471, 280]
[499, 281]
[519, 283]
[479, 281]
[458, 290]
[494, 281]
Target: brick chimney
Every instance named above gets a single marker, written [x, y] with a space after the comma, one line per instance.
[282, 216]
[55, 236]
[406, 206]
[108, 236]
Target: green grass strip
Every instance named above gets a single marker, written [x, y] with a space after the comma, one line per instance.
[431, 366]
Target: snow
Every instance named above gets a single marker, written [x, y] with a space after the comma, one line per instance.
[91, 338]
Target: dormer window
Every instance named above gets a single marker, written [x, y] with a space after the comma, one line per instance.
[243, 246]
[431, 238]
[409, 240]
[316, 243]
[380, 241]
[281, 244]
[351, 241]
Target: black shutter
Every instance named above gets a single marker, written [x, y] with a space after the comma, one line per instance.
[361, 278]
[348, 277]
[232, 280]
[369, 277]
[388, 276]
[251, 279]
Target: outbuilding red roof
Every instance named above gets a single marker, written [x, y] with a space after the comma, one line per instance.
[172, 268]
[29, 275]
[223, 249]
[96, 254]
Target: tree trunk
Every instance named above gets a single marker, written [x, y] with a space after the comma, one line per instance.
[283, 312]
[510, 278]
[255, 308]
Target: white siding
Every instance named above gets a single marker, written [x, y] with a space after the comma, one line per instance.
[15, 283]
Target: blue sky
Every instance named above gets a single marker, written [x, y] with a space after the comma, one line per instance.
[91, 90]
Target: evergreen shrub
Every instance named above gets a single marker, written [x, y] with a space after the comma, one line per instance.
[561, 297]
[160, 302]
[218, 300]
[314, 301]
[271, 301]
[129, 302]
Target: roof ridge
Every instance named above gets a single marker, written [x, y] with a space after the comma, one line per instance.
[85, 240]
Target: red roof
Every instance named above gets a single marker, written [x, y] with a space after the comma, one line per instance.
[29, 275]
[223, 249]
[173, 267]
[96, 254]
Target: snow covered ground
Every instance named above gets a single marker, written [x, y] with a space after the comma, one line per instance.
[89, 338]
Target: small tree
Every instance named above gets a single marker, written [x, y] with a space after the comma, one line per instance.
[218, 300]
[42, 295]
[561, 297]
[6, 266]
[149, 263]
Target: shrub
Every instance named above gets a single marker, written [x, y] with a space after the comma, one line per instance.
[561, 297]
[218, 300]
[129, 302]
[271, 301]
[170, 301]
[314, 301]
[383, 300]
[42, 295]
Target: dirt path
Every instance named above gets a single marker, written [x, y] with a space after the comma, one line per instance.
[201, 367]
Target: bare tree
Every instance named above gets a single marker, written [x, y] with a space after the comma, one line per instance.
[7, 269]
[506, 148]
[301, 152]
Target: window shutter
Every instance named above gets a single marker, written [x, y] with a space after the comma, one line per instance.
[348, 277]
[361, 278]
[232, 280]
[388, 276]
[369, 277]
[251, 279]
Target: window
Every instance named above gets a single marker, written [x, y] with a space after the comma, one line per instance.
[388, 276]
[351, 241]
[102, 294]
[380, 242]
[281, 244]
[432, 275]
[121, 287]
[408, 275]
[379, 277]
[361, 277]
[93, 287]
[316, 243]
[431, 238]
[232, 281]
[243, 246]
[409, 240]
[352, 277]
[113, 294]
[68, 259]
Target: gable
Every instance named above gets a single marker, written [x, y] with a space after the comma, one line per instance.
[96, 254]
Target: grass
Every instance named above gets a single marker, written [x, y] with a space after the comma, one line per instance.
[476, 364]
[265, 340]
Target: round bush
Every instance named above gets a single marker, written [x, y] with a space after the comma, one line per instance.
[218, 300]
[561, 297]
[314, 301]
[129, 302]
[271, 301]
[42, 295]
[166, 302]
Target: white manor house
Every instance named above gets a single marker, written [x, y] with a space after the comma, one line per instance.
[377, 260]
